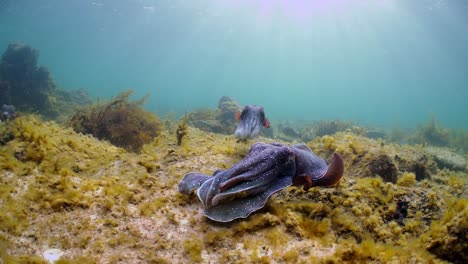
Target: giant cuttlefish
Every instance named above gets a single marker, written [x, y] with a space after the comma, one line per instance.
[8, 113]
[251, 120]
[268, 168]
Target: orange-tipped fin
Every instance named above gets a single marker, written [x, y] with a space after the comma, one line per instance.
[266, 123]
[334, 172]
[237, 116]
[308, 183]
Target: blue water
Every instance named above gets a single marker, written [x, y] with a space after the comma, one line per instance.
[385, 63]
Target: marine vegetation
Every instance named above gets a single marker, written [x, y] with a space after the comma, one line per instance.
[123, 123]
[31, 88]
[182, 129]
[458, 140]
[24, 84]
[330, 127]
[304, 131]
[431, 134]
[98, 203]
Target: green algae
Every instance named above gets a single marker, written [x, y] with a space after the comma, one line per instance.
[101, 204]
[193, 247]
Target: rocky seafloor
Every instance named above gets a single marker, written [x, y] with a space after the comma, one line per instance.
[92, 202]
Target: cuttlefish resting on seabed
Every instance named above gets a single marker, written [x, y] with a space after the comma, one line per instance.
[250, 122]
[268, 168]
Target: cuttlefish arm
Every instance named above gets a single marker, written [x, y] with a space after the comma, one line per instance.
[312, 170]
[259, 160]
[263, 163]
[246, 196]
[192, 181]
[245, 187]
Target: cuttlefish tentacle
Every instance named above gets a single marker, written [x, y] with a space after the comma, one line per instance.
[246, 176]
[244, 170]
[247, 188]
[241, 205]
[251, 160]
[238, 193]
[252, 167]
[192, 181]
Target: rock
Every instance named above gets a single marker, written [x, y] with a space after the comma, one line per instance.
[375, 134]
[384, 166]
[227, 110]
[221, 120]
[454, 244]
[52, 254]
[208, 125]
[447, 159]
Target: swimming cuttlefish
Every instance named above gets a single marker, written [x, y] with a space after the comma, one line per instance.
[268, 168]
[8, 113]
[250, 122]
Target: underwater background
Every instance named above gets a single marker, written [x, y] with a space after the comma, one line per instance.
[389, 63]
[114, 113]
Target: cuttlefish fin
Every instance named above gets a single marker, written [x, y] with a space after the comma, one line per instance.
[333, 174]
[237, 115]
[307, 183]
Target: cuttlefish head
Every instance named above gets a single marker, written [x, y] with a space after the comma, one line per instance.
[312, 170]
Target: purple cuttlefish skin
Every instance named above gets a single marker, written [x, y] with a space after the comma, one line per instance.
[268, 168]
[8, 113]
[251, 120]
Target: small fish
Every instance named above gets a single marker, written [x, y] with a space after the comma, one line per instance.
[250, 122]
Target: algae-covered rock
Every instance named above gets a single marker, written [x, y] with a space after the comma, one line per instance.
[209, 125]
[432, 134]
[450, 240]
[101, 204]
[125, 124]
[222, 120]
[330, 127]
[227, 110]
[447, 159]
[366, 157]
[383, 166]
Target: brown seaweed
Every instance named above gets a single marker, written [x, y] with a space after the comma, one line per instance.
[121, 122]
[182, 129]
